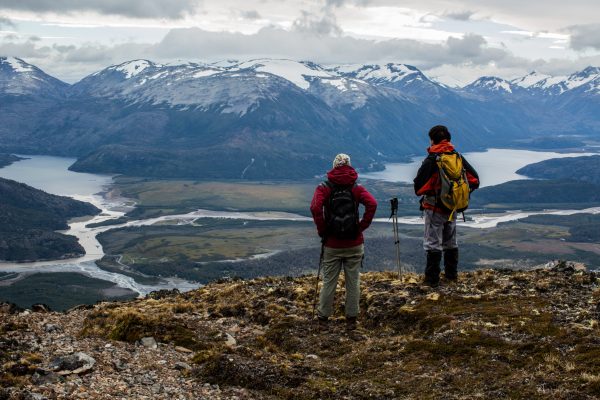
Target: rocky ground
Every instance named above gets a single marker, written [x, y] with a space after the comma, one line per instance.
[493, 334]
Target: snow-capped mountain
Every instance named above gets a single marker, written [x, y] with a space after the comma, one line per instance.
[405, 78]
[530, 80]
[587, 81]
[18, 78]
[189, 85]
[274, 118]
[538, 84]
[380, 73]
[490, 84]
[234, 87]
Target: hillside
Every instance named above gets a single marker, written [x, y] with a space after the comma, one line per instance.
[539, 193]
[493, 334]
[28, 219]
[7, 159]
[586, 169]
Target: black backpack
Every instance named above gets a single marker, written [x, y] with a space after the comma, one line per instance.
[341, 214]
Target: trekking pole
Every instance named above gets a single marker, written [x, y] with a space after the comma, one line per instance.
[394, 216]
[318, 275]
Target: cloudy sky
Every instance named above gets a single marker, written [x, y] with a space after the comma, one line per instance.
[454, 41]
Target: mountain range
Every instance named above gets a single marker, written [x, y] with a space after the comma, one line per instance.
[277, 119]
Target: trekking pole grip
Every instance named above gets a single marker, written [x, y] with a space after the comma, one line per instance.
[394, 206]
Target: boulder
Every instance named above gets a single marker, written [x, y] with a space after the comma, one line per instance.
[149, 342]
[77, 363]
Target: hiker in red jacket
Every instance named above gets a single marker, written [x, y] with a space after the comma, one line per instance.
[440, 222]
[335, 210]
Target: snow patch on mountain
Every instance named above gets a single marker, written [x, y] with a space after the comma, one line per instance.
[389, 72]
[132, 68]
[530, 79]
[293, 71]
[549, 82]
[343, 84]
[557, 85]
[16, 64]
[490, 83]
[205, 73]
[20, 78]
[377, 73]
[581, 78]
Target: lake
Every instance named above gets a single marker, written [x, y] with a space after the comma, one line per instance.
[52, 175]
[494, 166]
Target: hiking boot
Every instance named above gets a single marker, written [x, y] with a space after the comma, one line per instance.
[351, 323]
[323, 323]
[451, 264]
[432, 269]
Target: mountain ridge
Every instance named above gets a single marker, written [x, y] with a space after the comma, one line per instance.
[276, 112]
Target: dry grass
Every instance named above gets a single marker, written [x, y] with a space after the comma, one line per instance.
[491, 335]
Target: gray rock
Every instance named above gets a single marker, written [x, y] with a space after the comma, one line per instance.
[27, 395]
[182, 349]
[52, 328]
[230, 340]
[146, 380]
[180, 366]
[77, 363]
[119, 365]
[43, 377]
[156, 389]
[149, 342]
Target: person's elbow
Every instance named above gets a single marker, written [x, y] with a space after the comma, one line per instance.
[374, 205]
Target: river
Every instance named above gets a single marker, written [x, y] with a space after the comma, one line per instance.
[52, 175]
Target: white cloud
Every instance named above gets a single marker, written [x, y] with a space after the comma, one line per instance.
[312, 45]
[171, 9]
[507, 37]
[6, 23]
[534, 15]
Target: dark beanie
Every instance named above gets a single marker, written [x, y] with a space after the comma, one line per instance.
[439, 133]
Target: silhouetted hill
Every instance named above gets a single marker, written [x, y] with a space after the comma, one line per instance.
[538, 192]
[28, 219]
[7, 159]
[585, 169]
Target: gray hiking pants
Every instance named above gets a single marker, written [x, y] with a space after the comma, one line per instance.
[350, 259]
[440, 234]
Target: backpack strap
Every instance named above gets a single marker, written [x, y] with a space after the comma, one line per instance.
[332, 186]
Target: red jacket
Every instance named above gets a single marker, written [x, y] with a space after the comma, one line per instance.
[344, 175]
